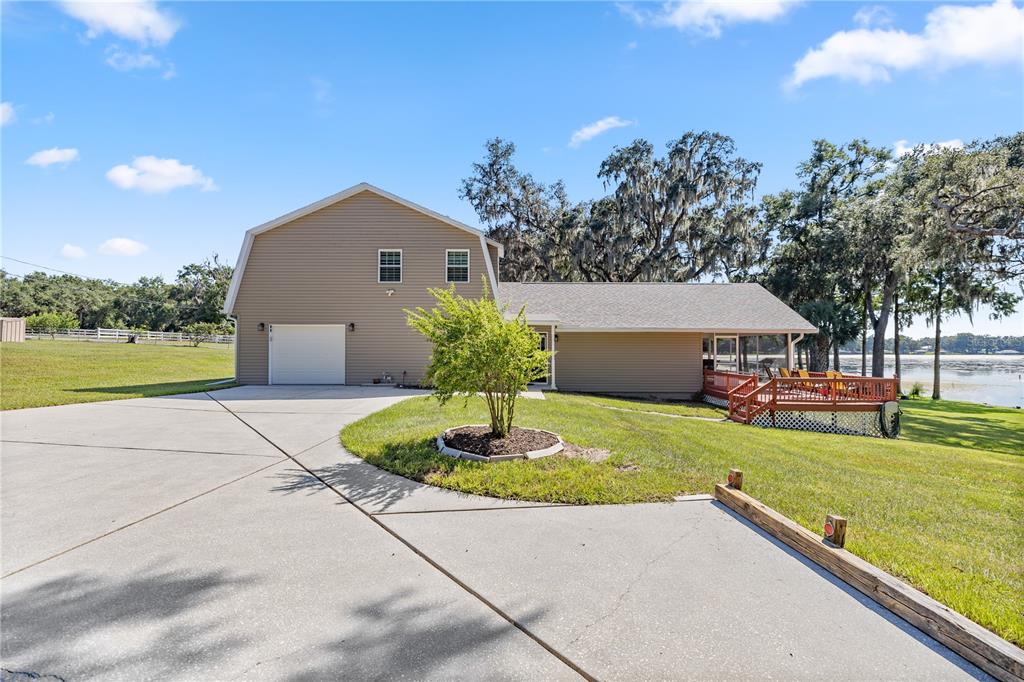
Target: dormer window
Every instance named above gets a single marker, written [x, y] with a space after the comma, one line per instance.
[389, 265]
[457, 265]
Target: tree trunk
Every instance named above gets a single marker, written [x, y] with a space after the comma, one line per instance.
[896, 340]
[835, 357]
[881, 323]
[817, 354]
[864, 337]
[936, 390]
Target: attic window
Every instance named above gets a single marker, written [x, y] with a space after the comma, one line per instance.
[389, 265]
[457, 265]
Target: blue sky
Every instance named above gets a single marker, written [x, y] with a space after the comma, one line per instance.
[159, 133]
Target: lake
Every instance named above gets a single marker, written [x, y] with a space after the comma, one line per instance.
[992, 379]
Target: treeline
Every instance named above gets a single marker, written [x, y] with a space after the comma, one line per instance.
[964, 343]
[863, 242]
[196, 296]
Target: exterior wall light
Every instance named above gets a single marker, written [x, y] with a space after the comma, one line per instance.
[351, 326]
[261, 326]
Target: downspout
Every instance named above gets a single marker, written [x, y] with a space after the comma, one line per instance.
[792, 347]
[235, 320]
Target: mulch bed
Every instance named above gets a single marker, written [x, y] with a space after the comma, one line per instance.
[479, 441]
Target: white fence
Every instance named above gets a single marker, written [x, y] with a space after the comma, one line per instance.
[121, 335]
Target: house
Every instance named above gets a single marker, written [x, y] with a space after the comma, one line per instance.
[318, 297]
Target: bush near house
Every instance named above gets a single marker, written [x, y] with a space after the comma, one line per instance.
[476, 350]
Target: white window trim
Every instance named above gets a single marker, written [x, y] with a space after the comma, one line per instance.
[401, 266]
[469, 270]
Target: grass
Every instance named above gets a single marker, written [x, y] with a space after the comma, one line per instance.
[940, 508]
[679, 408]
[45, 372]
[965, 425]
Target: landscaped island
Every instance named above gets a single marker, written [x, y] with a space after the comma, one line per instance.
[939, 507]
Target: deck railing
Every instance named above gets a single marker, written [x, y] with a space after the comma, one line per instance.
[747, 398]
[719, 383]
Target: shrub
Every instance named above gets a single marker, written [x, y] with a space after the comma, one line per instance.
[51, 323]
[916, 390]
[476, 350]
[198, 332]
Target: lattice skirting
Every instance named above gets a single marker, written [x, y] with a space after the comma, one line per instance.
[848, 423]
[717, 402]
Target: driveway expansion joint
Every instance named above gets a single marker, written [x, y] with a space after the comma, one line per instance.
[133, 447]
[415, 550]
[140, 520]
[470, 509]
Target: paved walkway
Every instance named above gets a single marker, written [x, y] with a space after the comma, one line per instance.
[229, 536]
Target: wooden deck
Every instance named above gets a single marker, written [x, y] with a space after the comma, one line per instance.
[747, 397]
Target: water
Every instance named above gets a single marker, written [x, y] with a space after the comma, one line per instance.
[991, 379]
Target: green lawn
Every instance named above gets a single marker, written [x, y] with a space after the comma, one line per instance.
[680, 408]
[945, 518]
[43, 372]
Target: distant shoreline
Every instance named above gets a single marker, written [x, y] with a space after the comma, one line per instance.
[943, 353]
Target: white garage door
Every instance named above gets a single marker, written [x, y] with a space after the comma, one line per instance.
[307, 354]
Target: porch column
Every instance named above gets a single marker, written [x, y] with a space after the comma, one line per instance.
[553, 386]
[789, 352]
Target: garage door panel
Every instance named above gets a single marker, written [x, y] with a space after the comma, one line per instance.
[307, 354]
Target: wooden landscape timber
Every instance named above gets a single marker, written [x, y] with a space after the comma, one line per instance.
[985, 649]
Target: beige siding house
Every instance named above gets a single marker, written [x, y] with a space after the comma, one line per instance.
[318, 297]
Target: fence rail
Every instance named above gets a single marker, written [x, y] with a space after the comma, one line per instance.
[121, 335]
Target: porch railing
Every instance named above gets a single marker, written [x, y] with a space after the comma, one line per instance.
[747, 397]
[719, 383]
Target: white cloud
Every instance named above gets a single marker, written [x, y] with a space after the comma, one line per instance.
[138, 20]
[953, 35]
[47, 119]
[48, 157]
[707, 17]
[589, 132]
[154, 175]
[72, 251]
[632, 45]
[873, 15]
[123, 60]
[122, 246]
[903, 147]
[7, 115]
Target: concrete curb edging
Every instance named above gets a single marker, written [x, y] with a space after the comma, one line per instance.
[980, 646]
[462, 454]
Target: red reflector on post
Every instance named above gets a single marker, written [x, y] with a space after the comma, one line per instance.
[732, 477]
[829, 530]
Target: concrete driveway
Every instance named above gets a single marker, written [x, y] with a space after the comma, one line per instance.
[229, 536]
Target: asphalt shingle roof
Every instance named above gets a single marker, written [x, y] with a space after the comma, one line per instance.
[743, 308]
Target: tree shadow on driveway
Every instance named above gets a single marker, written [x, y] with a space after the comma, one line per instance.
[150, 624]
[404, 635]
[363, 483]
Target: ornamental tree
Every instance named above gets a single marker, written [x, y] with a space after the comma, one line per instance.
[476, 349]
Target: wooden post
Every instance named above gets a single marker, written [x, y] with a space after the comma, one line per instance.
[835, 530]
[735, 479]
